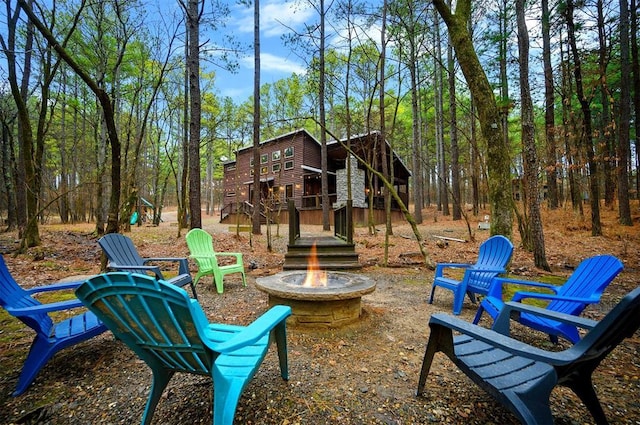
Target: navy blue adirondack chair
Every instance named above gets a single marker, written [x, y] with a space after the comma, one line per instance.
[493, 256]
[170, 332]
[521, 376]
[124, 256]
[51, 337]
[584, 287]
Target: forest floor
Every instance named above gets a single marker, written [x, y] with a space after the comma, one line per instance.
[365, 373]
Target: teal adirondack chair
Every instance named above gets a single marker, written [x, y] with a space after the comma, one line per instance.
[170, 332]
[520, 376]
[584, 287]
[51, 336]
[493, 256]
[200, 245]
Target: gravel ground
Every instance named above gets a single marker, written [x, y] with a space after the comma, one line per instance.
[365, 373]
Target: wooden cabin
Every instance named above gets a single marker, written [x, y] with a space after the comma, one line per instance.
[290, 168]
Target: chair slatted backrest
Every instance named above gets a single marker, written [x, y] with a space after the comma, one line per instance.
[589, 280]
[120, 250]
[13, 295]
[620, 323]
[494, 253]
[157, 321]
[200, 244]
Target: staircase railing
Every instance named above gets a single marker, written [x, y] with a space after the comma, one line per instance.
[294, 222]
[343, 222]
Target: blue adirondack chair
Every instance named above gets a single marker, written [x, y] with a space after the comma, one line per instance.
[521, 376]
[584, 287]
[171, 333]
[124, 256]
[493, 257]
[200, 244]
[50, 337]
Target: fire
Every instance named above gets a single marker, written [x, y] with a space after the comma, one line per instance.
[315, 277]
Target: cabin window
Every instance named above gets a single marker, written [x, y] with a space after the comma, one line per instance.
[231, 193]
[264, 158]
[251, 161]
[231, 167]
[275, 155]
[288, 152]
[264, 170]
[288, 165]
[275, 168]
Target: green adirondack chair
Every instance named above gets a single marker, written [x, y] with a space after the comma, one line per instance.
[171, 333]
[200, 245]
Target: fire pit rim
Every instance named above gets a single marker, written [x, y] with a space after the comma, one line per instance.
[273, 285]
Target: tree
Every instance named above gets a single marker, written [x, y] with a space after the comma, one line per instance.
[549, 108]
[255, 219]
[105, 102]
[529, 155]
[193, 66]
[498, 161]
[586, 135]
[624, 209]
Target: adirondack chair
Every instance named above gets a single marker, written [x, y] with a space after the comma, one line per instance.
[50, 337]
[200, 245]
[584, 287]
[171, 333]
[124, 256]
[520, 376]
[493, 257]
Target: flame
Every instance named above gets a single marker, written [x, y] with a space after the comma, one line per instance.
[315, 277]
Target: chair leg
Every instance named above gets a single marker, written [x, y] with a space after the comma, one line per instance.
[39, 354]
[161, 378]
[458, 301]
[440, 339]
[226, 394]
[193, 289]
[433, 290]
[476, 319]
[280, 333]
[580, 383]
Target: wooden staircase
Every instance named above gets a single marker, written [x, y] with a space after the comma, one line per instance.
[333, 252]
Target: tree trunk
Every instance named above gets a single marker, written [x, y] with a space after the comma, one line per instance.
[529, 155]
[549, 110]
[587, 131]
[255, 219]
[324, 178]
[498, 160]
[624, 209]
[193, 64]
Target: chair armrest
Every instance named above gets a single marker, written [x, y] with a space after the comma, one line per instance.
[503, 320]
[496, 285]
[501, 341]
[60, 286]
[441, 266]
[256, 330]
[44, 308]
[153, 269]
[519, 296]
[237, 255]
[183, 263]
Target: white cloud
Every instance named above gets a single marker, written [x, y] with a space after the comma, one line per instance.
[275, 63]
[276, 17]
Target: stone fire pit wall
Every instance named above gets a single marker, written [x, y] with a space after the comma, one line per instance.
[330, 307]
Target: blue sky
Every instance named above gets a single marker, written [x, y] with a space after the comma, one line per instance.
[276, 60]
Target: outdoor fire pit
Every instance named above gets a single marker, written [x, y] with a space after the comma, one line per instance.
[318, 298]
